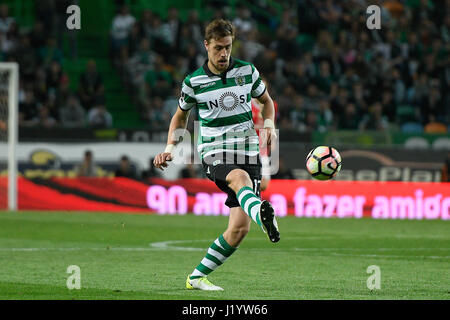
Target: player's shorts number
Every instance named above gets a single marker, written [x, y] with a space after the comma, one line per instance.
[256, 187]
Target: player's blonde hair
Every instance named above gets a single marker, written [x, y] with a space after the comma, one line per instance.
[219, 28]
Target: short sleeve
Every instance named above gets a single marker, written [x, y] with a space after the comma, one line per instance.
[258, 86]
[187, 99]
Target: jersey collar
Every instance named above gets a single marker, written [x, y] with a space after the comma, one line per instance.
[223, 75]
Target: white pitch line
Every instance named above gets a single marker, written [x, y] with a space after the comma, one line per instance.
[173, 245]
[388, 256]
[77, 249]
[167, 245]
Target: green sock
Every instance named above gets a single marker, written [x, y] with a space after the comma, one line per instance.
[217, 253]
[250, 202]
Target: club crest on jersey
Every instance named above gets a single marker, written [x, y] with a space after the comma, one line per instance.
[240, 80]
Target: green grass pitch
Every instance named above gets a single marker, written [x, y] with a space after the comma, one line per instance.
[124, 256]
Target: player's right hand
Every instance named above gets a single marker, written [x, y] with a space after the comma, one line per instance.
[161, 160]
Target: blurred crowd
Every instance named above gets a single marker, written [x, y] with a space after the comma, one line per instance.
[46, 98]
[325, 69]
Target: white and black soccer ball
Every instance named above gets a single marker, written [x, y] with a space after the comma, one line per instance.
[323, 162]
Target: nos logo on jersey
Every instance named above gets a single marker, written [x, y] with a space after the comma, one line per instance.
[228, 101]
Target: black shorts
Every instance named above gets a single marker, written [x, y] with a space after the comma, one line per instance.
[217, 168]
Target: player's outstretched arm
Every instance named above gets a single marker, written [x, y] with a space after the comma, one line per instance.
[268, 114]
[179, 121]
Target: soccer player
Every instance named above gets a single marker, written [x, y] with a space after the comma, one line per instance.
[228, 144]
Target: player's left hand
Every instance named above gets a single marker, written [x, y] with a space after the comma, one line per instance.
[268, 137]
[161, 160]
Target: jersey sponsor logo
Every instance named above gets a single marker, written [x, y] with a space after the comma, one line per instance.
[207, 85]
[228, 101]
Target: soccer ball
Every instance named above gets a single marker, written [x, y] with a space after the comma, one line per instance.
[323, 163]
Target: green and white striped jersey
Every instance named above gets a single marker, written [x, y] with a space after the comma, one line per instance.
[224, 105]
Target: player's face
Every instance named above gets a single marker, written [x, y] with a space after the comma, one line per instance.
[219, 51]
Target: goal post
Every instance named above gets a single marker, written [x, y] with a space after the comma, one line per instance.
[9, 87]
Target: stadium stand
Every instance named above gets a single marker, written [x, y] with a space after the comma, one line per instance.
[393, 78]
[326, 70]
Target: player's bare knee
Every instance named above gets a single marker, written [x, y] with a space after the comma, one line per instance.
[238, 179]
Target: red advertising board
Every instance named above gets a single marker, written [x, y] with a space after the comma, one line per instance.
[301, 198]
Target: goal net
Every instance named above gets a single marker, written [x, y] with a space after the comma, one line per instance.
[8, 134]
